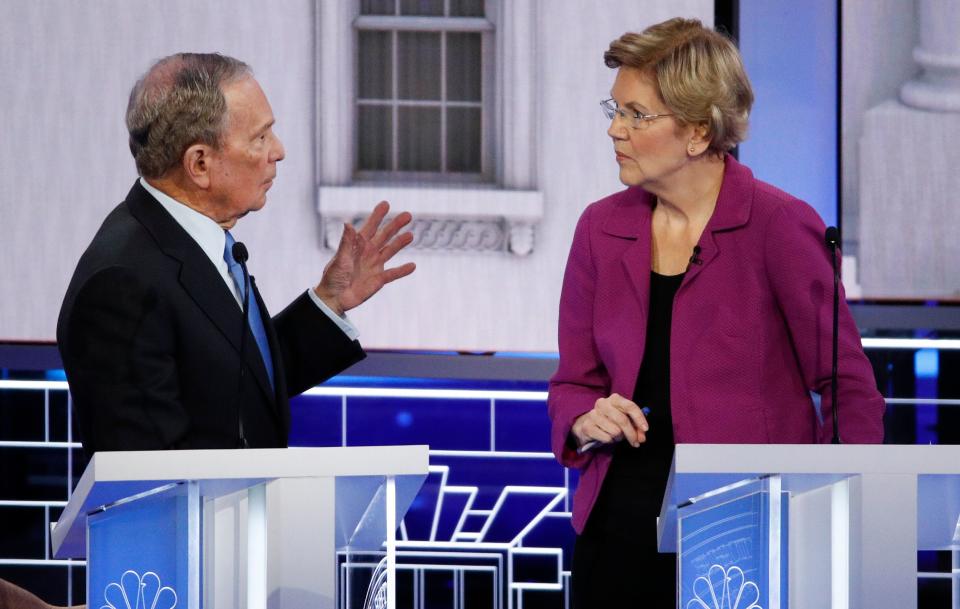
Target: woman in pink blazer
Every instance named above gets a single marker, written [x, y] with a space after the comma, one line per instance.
[696, 307]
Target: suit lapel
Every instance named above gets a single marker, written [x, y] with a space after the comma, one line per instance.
[631, 220]
[201, 280]
[731, 212]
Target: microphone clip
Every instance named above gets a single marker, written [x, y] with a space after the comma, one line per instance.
[695, 258]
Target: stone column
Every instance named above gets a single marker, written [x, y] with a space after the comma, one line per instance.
[937, 87]
[910, 171]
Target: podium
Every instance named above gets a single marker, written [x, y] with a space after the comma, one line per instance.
[799, 526]
[241, 529]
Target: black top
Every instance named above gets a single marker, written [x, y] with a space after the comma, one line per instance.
[619, 542]
[651, 460]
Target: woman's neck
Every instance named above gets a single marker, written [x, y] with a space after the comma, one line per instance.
[691, 194]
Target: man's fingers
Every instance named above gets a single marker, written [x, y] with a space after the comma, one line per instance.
[392, 228]
[394, 246]
[372, 223]
[397, 272]
[360, 244]
[347, 241]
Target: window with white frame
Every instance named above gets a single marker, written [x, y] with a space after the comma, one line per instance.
[412, 98]
[423, 99]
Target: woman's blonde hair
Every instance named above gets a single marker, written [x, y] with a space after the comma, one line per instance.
[699, 73]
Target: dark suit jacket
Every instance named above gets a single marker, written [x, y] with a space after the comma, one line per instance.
[150, 339]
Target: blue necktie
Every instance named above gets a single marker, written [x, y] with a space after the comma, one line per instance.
[253, 315]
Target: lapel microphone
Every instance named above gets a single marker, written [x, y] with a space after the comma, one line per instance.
[696, 259]
[240, 255]
[832, 238]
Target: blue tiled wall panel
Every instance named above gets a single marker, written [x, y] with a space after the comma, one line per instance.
[478, 582]
[19, 526]
[491, 474]
[57, 584]
[522, 426]
[419, 517]
[516, 511]
[554, 531]
[438, 589]
[441, 423]
[315, 420]
[21, 416]
[534, 568]
[473, 523]
[58, 409]
[453, 506]
[33, 475]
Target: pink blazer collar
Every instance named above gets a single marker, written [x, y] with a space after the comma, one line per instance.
[631, 215]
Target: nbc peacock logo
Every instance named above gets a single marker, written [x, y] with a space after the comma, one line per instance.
[135, 591]
[724, 589]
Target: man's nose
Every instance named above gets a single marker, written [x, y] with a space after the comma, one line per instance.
[278, 152]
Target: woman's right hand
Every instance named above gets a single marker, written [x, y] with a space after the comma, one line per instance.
[612, 419]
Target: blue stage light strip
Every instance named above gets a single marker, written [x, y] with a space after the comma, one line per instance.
[40, 562]
[393, 392]
[943, 344]
[923, 401]
[17, 503]
[528, 396]
[35, 385]
[487, 454]
[453, 394]
[38, 444]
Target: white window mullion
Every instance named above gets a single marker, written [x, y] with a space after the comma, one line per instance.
[395, 94]
[488, 107]
[423, 24]
[423, 103]
[443, 96]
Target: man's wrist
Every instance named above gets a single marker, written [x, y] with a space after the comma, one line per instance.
[330, 300]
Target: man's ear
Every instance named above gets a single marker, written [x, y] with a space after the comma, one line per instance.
[197, 163]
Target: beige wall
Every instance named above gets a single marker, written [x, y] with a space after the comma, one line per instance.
[66, 68]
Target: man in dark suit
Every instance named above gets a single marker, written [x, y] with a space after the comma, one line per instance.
[152, 331]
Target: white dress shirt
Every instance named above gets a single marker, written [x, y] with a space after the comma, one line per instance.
[212, 239]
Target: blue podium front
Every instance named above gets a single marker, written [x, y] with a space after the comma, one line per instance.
[733, 548]
[222, 529]
[145, 551]
[855, 517]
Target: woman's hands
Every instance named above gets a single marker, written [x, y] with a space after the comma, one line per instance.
[612, 419]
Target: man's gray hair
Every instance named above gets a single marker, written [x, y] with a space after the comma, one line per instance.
[179, 102]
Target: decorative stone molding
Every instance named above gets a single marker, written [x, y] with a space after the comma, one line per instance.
[445, 219]
[521, 238]
[452, 234]
[938, 54]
